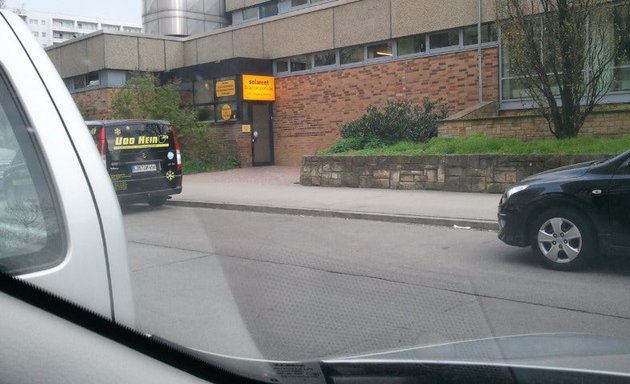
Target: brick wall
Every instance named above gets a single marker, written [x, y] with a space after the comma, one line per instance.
[607, 122]
[309, 108]
[95, 104]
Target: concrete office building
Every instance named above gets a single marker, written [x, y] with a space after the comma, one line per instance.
[53, 28]
[320, 63]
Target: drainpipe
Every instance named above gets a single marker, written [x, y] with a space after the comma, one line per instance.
[479, 59]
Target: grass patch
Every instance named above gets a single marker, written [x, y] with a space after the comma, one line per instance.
[190, 167]
[481, 144]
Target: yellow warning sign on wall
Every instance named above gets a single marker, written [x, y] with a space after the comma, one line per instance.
[225, 88]
[259, 88]
[226, 111]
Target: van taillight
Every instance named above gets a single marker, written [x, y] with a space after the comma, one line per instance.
[102, 145]
[178, 152]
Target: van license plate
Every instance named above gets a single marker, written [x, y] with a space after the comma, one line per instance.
[143, 168]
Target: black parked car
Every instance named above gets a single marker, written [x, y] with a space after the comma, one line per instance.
[572, 214]
[142, 157]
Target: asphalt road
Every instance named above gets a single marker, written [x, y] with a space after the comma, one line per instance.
[293, 287]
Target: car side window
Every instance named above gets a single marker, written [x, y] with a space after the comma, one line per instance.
[624, 169]
[31, 237]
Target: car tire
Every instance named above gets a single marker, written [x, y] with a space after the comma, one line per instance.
[157, 201]
[563, 239]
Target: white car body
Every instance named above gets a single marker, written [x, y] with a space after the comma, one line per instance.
[95, 271]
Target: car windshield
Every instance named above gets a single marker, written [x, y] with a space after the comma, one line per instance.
[341, 181]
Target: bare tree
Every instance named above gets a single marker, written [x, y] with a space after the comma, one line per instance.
[563, 53]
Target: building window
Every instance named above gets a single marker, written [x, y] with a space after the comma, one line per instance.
[88, 26]
[412, 44]
[614, 29]
[441, 42]
[250, 13]
[351, 55]
[203, 92]
[62, 23]
[33, 21]
[109, 27]
[282, 66]
[447, 39]
[380, 51]
[36, 34]
[621, 72]
[43, 34]
[43, 22]
[78, 82]
[488, 34]
[208, 106]
[324, 59]
[92, 79]
[269, 9]
[301, 63]
[206, 112]
[298, 3]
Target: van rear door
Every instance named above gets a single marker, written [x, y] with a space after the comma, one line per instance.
[142, 157]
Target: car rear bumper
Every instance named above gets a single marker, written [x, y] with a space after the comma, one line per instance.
[513, 226]
[145, 195]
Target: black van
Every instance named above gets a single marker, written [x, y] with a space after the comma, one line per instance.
[142, 157]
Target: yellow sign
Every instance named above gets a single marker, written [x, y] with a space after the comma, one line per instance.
[226, 112]
[259, 88]
[246, 128]
[141, 142]
[226, 88]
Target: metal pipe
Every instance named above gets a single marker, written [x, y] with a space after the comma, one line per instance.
[479, 57]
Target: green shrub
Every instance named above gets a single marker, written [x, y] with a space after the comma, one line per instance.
[345, 145]
[483, 144]
[143, 97]
[396, 121]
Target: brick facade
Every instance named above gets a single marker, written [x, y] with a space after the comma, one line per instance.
[95, 104]
[608, 121]
[310, 108]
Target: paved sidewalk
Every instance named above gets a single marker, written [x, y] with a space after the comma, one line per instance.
[276, 189]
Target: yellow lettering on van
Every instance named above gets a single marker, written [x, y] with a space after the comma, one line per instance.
[142, 140]
[125, 141]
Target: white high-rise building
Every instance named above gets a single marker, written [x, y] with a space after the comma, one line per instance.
[53, 28]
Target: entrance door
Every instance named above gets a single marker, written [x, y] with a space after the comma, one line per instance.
[262, 146]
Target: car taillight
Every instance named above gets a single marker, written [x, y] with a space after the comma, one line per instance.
[102, 146]
[178, 152]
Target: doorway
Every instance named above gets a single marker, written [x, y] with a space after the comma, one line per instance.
[262, 138]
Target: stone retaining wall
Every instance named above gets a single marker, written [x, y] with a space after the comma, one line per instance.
[466, 173]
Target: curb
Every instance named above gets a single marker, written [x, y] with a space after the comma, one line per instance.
[487, 225]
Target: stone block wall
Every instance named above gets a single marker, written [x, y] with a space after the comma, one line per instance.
[465, 173]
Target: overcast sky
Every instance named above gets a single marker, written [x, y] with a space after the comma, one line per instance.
[115, 10]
